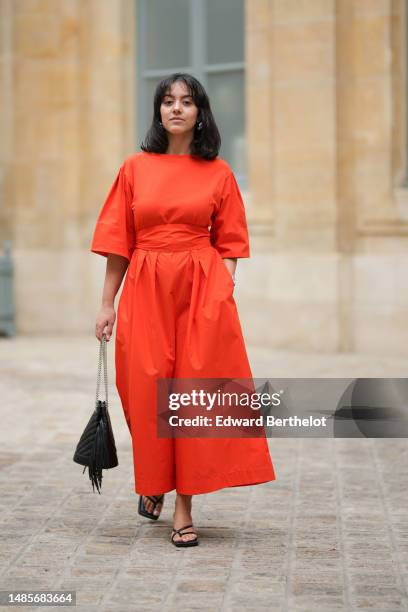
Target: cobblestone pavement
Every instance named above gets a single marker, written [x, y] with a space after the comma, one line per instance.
[331, 533]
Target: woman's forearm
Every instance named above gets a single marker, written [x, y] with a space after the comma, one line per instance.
[116, 267]
[231, 264]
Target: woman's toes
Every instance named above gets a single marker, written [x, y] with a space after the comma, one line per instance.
[189, 536]
[147, 504]
[150, 507]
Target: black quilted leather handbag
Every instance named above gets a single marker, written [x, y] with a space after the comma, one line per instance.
[96, 448]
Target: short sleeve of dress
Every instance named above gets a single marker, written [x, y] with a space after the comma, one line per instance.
[115, 230]
[229, 230]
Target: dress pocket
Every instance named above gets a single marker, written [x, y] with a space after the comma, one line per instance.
[225, 273]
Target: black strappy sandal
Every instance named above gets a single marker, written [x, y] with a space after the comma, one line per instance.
[155, 500]
[181, 543]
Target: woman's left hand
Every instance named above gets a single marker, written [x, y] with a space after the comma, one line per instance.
[231, 265]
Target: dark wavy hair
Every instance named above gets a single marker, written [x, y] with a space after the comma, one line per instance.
[206, 142]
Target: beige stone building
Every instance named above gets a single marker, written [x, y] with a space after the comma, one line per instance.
[321, 153]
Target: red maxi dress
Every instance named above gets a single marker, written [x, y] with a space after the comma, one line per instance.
[174, 218]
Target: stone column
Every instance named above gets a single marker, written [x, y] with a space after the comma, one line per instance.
[291, 293]
[373, 223]
[72, 126]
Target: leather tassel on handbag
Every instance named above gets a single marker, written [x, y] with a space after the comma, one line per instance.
[96, 449]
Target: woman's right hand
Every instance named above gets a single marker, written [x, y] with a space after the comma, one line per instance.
[105, 320]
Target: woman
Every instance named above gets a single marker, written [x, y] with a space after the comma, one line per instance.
[175, 220]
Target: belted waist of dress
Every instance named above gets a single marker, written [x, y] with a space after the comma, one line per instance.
[172, 237]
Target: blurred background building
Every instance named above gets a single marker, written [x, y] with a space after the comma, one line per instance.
[310, 97]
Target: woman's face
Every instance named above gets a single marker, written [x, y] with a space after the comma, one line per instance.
[178, 110]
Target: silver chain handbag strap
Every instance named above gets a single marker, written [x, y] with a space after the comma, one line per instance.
[102, 357]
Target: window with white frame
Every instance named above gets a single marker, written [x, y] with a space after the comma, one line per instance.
[206, 39]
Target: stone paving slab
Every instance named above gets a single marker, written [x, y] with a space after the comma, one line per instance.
[330, 534]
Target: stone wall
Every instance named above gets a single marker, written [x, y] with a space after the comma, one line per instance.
[327, 152]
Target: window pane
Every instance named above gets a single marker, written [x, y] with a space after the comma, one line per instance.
[225, 31]
[167, 29]
[227, 97]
